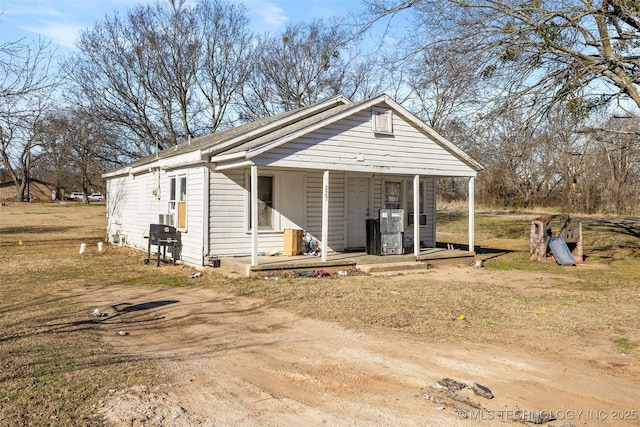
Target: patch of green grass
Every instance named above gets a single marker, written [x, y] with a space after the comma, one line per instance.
[494, 227]
[625, 344]
[593, 286]
[35, 213]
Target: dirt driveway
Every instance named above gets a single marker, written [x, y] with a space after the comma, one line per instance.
[232, 361]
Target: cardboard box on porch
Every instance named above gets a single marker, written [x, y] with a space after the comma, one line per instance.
[293, 241]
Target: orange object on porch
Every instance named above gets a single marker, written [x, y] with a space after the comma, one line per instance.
[293, 241]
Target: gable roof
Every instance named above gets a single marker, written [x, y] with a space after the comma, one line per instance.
[251, 139]
[254, 147]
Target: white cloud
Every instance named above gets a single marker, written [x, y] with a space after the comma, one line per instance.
[27, 8]
[62, 34]
[265, 15]
[274, 15]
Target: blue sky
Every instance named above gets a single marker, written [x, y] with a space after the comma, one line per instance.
[62, 20]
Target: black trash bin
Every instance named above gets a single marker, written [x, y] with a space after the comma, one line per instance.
[374, 242]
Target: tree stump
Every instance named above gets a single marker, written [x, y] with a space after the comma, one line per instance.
[538, 241]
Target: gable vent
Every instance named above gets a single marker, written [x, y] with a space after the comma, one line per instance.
[382, 120]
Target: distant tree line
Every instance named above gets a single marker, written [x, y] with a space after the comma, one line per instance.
[544, 94]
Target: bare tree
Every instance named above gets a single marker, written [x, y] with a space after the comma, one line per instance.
[580, 52]
[163, 71]
[226, 60]
[54, 158]
[444, 84]
[572, 155]
[306, 63]
[27, 83]
[617, 147]
[75, 148]
[521, 162]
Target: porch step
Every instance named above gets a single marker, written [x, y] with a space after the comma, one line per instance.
[392, 266]
[282, 263]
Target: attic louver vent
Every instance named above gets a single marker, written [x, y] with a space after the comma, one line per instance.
[382, 120]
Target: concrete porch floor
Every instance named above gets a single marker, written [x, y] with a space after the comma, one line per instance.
[347, 260]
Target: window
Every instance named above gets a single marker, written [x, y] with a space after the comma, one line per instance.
[382, 121]
[410, 213]
[265, 203]
[178, 200]
[393, 195]
[399, 195]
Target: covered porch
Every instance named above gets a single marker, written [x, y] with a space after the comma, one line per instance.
[331, 173]
[345, 261]
[362, 212]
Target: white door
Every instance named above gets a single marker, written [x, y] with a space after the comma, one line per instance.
[357, 212]
[293, 200]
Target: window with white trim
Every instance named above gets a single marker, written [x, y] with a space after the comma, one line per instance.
[178, 200]
[399, 195]
[266, 192]
[410, 213]
[393, 194]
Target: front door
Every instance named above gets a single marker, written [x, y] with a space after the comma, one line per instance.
[357, 212]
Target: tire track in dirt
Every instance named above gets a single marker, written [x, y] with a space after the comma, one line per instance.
[230, 360]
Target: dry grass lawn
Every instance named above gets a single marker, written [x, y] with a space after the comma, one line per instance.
[56, 368]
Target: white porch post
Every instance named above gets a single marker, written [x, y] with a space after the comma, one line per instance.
[254, 215]
[471, 213]
[416, 215]
[325, 213]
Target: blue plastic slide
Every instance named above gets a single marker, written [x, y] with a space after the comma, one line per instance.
[560, 251]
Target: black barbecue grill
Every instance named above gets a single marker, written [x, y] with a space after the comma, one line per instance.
[161, 236]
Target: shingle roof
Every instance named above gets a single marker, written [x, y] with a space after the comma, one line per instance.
[269, 125]
[288, 129]
[276, 128]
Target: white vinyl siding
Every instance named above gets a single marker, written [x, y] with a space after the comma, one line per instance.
[350, 145]
[227, 226]
[191, 240]
[131, 208]
[229, 205]
[132, 205]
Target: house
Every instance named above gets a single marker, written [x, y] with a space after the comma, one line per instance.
[324, 169]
